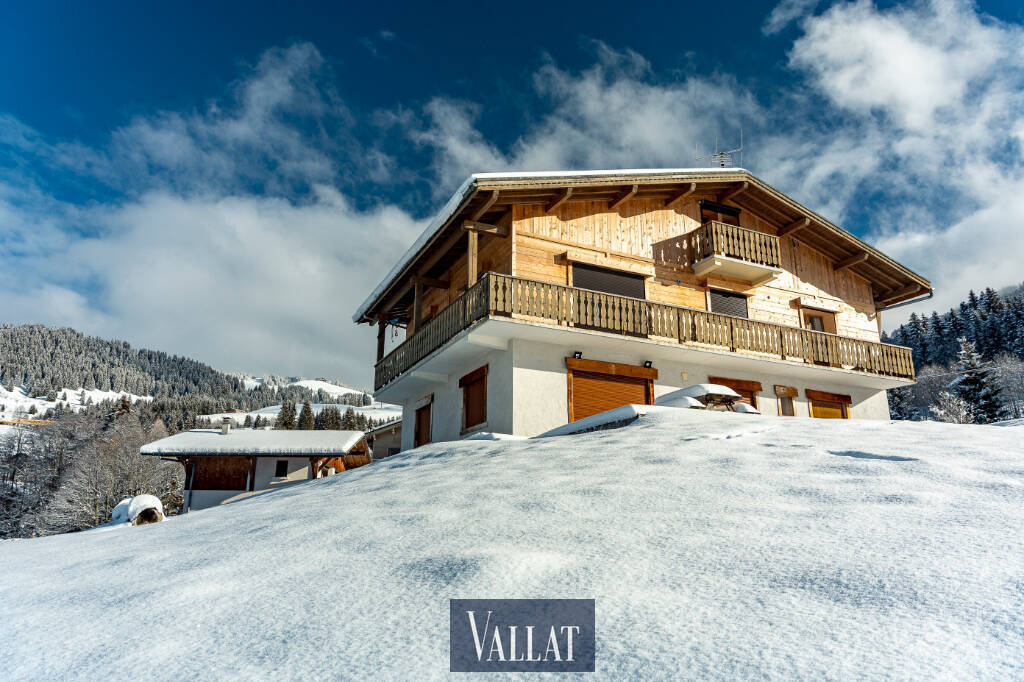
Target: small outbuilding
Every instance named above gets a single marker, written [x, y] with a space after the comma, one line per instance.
[385, 440]
[223, 465]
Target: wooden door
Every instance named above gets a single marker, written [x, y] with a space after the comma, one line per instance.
[594, 392]
[421, 433]
[826, 409]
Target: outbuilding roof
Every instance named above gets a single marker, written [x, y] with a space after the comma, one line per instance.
[255, 442]
[484, 194]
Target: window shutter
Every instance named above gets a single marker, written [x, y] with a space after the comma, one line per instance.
[474, 397]
[728, 303]
[608, 281]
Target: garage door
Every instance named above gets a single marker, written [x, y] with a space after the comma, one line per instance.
[594, 392]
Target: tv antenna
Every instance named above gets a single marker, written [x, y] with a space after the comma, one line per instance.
[722, 159]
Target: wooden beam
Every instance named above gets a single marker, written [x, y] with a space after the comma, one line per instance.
[682, 195]
[431, 282]
[625, 196]
[381, 329]
[395, 297]
[438, 252]
[479, 213]
[852, 260]
[417, 307]
[471, 258]
[898, 293]
[733, 193]
[549, 209]
[795, 226]
[485, 228]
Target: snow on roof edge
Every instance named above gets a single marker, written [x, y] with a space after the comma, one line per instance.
[449, 208]
[255, 442]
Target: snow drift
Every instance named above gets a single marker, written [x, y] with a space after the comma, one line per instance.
[716, 545]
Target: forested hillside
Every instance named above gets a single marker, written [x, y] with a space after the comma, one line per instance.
[992, 321]
[969, 360]
[48, 360]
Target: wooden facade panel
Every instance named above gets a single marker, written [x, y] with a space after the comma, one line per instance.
[624, 237]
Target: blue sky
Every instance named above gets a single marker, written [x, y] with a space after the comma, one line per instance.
[228, 180]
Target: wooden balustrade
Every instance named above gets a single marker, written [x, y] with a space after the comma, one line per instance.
[715, 238]
[503, 295]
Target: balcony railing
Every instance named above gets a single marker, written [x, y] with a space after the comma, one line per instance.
[555, 304]
[719, 239]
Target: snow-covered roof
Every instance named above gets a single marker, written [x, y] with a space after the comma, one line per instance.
[254, 442]
[466, 187]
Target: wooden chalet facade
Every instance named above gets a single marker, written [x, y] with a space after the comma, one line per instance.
[224, 465]
[658, 279]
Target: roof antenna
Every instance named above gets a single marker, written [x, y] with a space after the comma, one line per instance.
[722, 159]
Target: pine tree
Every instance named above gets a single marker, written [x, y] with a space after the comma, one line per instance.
[286, 417]
[306, 417]
[248, 421]
[953, 409]
[258, 424]
[901, 403]
[977, 385]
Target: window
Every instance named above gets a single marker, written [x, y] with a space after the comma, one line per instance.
[608, 281]
[474, 398]
[728, 303]
[281, 469]
[819, 321]
[785, 395]
[824, 405]
[392, 451]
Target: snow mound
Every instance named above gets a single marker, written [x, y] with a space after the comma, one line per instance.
[715, 545]
[676, 399]
[120, 513]
[140, 503]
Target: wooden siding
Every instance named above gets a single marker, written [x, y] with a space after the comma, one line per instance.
[642, 232]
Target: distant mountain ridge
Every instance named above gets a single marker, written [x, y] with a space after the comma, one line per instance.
[37, 361]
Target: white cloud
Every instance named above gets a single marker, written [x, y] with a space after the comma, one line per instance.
[236, 237]
[230, 243]
[785, 13]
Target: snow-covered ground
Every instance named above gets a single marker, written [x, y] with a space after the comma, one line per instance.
[377, 411]
[716, 545]
[17, 403]
[331, 388]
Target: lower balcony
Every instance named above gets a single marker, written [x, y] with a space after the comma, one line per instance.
[556, 306]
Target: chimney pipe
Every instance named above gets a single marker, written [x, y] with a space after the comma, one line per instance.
[225, 426]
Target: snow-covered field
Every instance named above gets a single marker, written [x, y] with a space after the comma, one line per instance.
[716, 545]
[17, 403]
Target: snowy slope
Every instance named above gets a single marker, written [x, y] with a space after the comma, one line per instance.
[716, 545]
[17, 403]
[331, 389]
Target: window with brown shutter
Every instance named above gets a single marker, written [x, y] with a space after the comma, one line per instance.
[474, 398]
[728, 303]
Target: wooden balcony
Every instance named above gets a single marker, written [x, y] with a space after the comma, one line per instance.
[728, 250]
[505, 296]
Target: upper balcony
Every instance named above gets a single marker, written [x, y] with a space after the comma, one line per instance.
[722, 249]
[559, 306]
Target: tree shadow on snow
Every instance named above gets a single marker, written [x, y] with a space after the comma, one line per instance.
[868, 455]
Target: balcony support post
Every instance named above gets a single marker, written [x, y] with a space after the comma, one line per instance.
[382, 326]
[471, 258]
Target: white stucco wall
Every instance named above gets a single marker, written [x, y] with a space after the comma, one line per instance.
[541, 390]
[298, 470]
[527, 392]
[446, 414]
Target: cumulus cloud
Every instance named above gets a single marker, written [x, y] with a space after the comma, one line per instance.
[229, 240]
[905, 121]
[244, 232]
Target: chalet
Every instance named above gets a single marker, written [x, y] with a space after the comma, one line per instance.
[536, 299]
[223, 465]
[386, 439]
